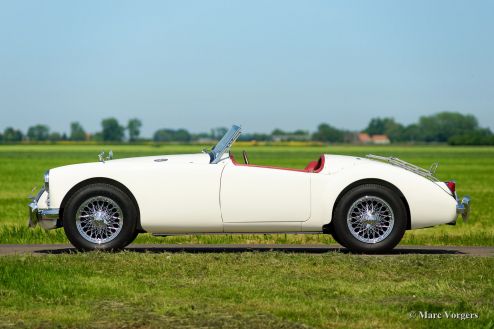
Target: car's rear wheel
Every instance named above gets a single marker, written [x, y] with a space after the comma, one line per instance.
[100, 217]
[369, 218]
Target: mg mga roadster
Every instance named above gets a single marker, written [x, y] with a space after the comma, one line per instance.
[366, 204]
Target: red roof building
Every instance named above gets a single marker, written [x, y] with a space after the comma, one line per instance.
[364, 138]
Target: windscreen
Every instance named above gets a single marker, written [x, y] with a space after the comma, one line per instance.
[225, 143]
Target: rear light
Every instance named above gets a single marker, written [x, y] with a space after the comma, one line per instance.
[452, 186]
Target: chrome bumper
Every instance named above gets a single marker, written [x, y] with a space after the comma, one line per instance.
[463, 207]
[46, 218]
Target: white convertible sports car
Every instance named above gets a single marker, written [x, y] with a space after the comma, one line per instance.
[365, 203]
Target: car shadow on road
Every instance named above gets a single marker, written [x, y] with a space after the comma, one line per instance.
[198, 249]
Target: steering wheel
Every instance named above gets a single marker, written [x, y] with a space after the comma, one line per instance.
[246, 159]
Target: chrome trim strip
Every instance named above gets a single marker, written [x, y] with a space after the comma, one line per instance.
[235, 233]
[51, 213]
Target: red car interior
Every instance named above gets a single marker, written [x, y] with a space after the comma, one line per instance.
[312, 167]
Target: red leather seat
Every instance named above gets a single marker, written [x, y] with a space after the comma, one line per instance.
[315, 166]
[311, 166]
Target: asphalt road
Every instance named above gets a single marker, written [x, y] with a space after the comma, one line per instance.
[46, 249]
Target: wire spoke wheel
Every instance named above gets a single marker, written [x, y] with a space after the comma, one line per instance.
[370, 219]
[99, 219]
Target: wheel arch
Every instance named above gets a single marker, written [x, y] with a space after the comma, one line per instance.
[328, 227]
[104, 180]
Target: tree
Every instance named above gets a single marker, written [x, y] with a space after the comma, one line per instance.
[217, 133]
[163, 135]
[1, 137]
[182, 135]
[54, 137]
[38, 133]
[201, 136]
[327, 133]
[478, 137]
[112, 130]
[77, 133]
[411, 133]
[386, 126]
[98, 137]
[254, 137]
[300, 132]
[376, 126]
[441, 126]
[278, 132]
[134, 128]
[12, 135]
[170, 135]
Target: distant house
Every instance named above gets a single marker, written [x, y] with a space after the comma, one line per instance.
[365, 138]
[380, 139]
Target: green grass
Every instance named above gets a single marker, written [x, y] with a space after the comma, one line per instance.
[245, 289]
[242, 290]
[22, 167]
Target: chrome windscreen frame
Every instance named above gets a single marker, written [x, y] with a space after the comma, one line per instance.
[225, 143]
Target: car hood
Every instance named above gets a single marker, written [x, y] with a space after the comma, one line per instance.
[199, 158]
[202, 158]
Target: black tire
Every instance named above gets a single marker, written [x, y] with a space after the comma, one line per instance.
[133, 237]
[121, 208]
[386, 236]
[336, 238]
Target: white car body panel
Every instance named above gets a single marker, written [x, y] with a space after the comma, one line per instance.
[187, 194]
[429, 203]
[163, 207]
[255, 194]
[263, 227]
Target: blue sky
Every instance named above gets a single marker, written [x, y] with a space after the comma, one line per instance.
[262, 64]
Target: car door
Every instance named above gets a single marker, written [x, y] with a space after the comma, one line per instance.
[254, 194]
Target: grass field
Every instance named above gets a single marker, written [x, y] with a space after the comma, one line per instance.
[22, 167]
[243, 290]
[246, 289]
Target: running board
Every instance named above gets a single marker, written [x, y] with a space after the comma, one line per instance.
[225, 233]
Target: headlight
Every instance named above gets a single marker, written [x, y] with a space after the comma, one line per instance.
[47, 180]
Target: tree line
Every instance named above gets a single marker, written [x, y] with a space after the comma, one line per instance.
[451, 127]
[111, 131]
[444, 127]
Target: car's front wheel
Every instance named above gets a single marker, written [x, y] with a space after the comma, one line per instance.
[100, 216]
[369, 218]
